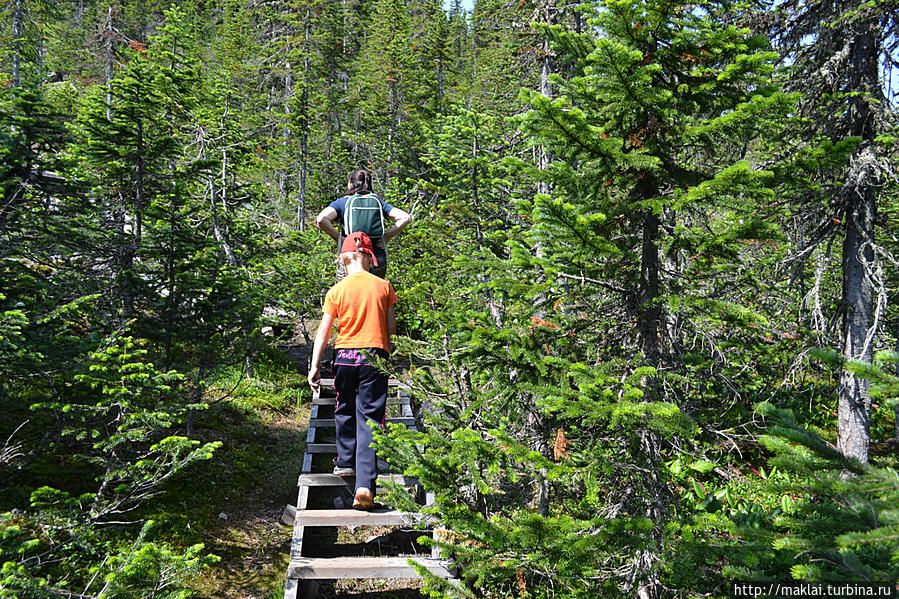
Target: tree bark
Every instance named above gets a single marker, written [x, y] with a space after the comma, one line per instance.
[543, 157]
[304, 134]
[129, 252]
[854, 404]
[648, 314]
[217, 229]
[17, 28]
[282, 172]
[393, 127]
[859, 200]
[107, 51]
[139, 186]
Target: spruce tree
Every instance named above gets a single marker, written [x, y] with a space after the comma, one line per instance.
[655, 197]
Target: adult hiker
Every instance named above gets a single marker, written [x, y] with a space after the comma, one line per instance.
[363, 306]
[362, 210]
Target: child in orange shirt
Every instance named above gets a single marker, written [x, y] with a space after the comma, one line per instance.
[363, 305]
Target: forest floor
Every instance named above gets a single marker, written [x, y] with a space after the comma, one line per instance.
[236, 500]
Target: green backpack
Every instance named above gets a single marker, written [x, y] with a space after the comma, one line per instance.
[364, 213]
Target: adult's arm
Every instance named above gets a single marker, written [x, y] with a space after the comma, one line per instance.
[324, 222]
[318, 348]
[400, 219]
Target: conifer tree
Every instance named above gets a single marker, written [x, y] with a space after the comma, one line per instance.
[655, 101]
[147, 179]
[836, 50]
[641, 211]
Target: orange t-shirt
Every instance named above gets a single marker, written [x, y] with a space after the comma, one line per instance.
[359, 303]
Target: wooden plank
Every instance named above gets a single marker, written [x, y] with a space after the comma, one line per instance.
[332, 401]
[430, 498]
[296, 541]
[329, 422]
[317, 448]
[365, 567]
[303, 571]
[291, 586]
[391, 382]
[310, 438]
[302, 498]
[321, 448]
[379, 517]
[310, 433]
[329, 480]
[289, 515]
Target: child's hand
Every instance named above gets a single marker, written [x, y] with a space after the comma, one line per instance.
[315, 378]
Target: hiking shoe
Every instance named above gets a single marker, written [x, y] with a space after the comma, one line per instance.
[344, 471]
[363, 499]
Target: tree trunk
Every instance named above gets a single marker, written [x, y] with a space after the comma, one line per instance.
[39, 67]
[304, 134]
[17, 29]
[217, 228]
[171, 301]
[440, 83]
[859, 200]
[283, 174]
[537, 426]
[393, 128]
[475, 184]
[543, 157]
[648, 314]
[107, 51]
[127, 262]
[854, 405]
[139, 186]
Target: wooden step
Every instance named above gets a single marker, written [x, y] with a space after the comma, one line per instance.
[326, 448]
[378, 517]
[321, 448]
[329, 480]
[329, 422]
[391, 382]
[332, 401]
[365, 567]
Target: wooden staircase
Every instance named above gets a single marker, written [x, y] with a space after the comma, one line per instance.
[304, 570]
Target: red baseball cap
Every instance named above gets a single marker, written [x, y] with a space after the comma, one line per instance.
[359, 242]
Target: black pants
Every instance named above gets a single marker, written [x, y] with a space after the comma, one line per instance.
[361, 398]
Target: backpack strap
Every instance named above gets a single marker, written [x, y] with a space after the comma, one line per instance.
[381, 215]
[347, 211]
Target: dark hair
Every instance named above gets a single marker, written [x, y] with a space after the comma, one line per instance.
[359, 181]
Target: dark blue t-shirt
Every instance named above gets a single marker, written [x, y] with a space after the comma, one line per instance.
[340, 204]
